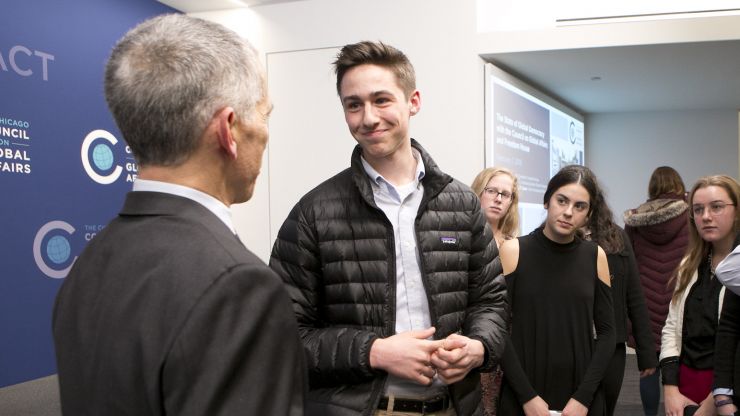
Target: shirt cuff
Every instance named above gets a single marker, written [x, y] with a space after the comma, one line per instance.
[723, 390]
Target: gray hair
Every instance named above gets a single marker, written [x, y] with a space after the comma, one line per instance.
[169, 75]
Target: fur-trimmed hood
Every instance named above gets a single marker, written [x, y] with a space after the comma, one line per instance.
[654, 212]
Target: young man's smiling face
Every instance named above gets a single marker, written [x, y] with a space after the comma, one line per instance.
[377, 111]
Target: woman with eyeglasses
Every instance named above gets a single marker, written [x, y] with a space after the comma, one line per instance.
[499, 199]
[559, 294]
[688, 341]
[659, 232]
[629, 302]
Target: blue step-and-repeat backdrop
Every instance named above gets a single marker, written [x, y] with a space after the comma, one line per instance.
[64, 167]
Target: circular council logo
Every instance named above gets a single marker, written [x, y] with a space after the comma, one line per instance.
[58, 249]
[102, 169]
[52, 249]
[572, 132]
[102, 156]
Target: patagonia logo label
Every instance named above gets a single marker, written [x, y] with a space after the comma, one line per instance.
[448, 240]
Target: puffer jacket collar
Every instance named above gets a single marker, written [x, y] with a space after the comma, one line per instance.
[655, 211]
[434, 179]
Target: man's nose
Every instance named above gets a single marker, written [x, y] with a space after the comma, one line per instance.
[369, 115]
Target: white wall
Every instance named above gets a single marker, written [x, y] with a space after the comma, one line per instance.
[441, 39]
[438, 36]
[623, 149]
[309, 140]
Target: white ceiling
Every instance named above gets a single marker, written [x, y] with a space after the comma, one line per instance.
[195, 6]
[686, 76]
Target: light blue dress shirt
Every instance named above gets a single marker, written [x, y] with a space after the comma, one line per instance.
[401, 205]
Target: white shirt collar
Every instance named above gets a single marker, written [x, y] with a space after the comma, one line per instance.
[376, 177]
[212, 204]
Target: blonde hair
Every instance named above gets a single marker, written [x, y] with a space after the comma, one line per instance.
[698, 249]
[509, 223]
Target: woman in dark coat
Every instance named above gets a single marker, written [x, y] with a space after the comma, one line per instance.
[658, 230]
[629, 302]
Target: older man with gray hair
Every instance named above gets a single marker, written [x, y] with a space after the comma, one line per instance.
[166, 312]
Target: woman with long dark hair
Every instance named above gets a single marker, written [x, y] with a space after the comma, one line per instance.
[559, 294]
[688, 342]
[629, 302]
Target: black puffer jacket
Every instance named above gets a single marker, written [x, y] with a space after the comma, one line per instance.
[335, 252]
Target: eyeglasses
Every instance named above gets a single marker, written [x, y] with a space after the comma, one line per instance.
[493, 193]
[715, 208]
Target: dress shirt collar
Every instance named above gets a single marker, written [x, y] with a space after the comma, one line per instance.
[212, 204]
[377, 177]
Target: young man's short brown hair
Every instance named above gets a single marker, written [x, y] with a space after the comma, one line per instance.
[376, 53]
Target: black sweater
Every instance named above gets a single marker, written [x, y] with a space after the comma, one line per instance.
[556, 300]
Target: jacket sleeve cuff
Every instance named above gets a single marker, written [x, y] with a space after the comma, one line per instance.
[365, 357]
[669, 371]
[488, 364]
[646, 360]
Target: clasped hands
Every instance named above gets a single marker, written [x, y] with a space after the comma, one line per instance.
[538, 407]
[410, 355]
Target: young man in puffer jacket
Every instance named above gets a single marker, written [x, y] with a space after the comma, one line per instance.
[390, 264]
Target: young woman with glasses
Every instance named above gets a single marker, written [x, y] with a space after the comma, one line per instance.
[498, 191]
[499, 199]
[559, 293]
[688, 342]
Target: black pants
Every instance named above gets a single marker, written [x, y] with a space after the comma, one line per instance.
[612, 382]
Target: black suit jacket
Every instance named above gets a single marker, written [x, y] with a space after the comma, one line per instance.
[166, 313]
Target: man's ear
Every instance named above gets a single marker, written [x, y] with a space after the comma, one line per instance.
[414, 102]
[225, 119]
